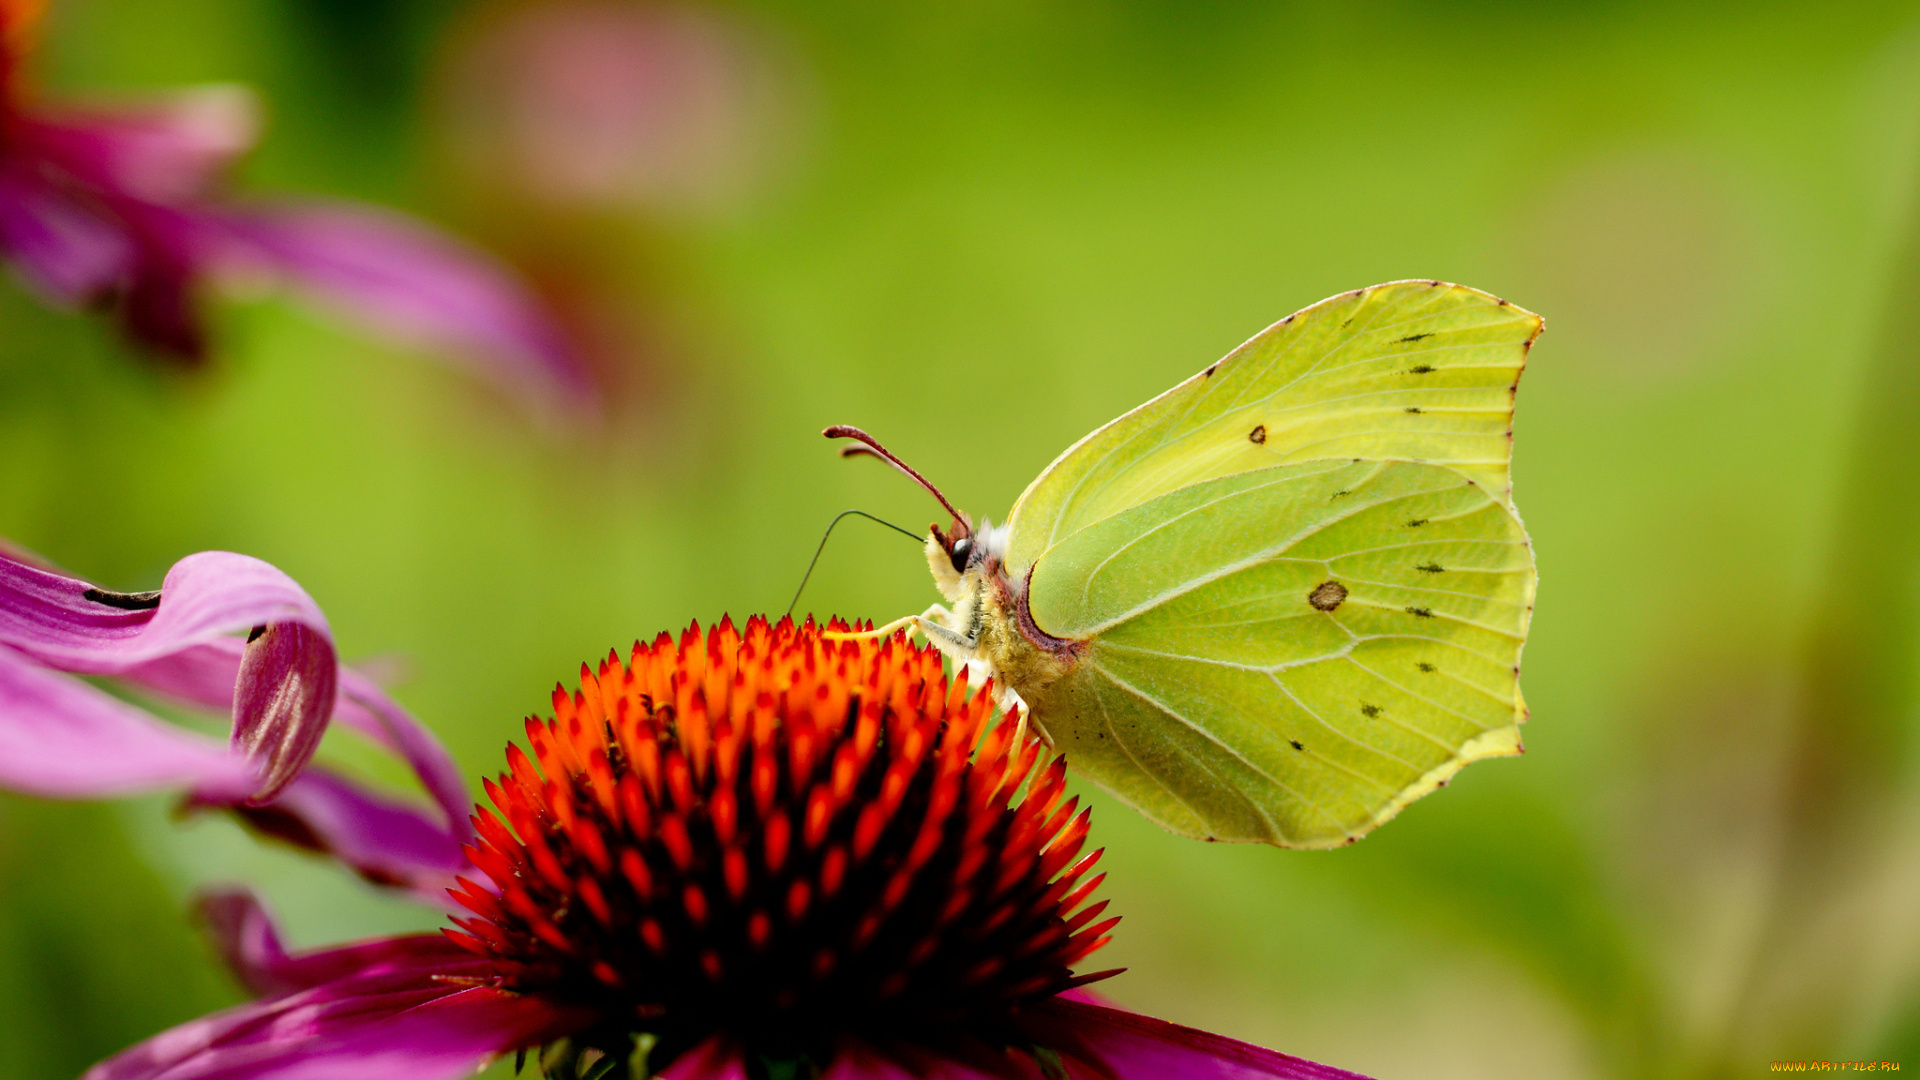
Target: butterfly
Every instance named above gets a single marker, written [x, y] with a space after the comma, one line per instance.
[1287, 597]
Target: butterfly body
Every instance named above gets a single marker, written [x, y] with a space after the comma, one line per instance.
[1287, 597]
[988, 623]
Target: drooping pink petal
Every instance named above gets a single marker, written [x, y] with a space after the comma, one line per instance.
[416, 1012]
[162, 149]
[202, 674]
[205, 675]
[61, 738]
[73, 626]
[158, 303]
[387, 842]
[88, 213]
[123, 206]
[1120, 1045]
[417, 284]
[250, 944]
[286, 686]
[287, 682]
[367, 709]
[66, 250]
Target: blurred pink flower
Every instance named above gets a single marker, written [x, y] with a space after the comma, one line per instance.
[606, 103]
[126, 208]
[63, 737]
[758, 853]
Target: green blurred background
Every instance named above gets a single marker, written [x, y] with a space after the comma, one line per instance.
[979, 231]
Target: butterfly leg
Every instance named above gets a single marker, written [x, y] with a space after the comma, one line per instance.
[962, 648]
[926, 624]
[936, 625]
[878, 632]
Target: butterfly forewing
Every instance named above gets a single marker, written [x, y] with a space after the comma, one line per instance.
[1413, 370]
[1289, 654]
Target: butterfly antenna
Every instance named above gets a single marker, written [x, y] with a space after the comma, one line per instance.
[823, 546]
[872, 446]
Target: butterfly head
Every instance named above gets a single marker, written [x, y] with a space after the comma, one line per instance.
[963, 556]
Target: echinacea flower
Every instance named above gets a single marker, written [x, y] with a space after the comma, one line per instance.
[124, 208]
[63, 737]
[760, 854]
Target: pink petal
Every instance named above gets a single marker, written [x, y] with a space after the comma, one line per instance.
[157, 303]
[386, 842]
[67, 251]
[287, 681]
[79, 219]
[61, 738]
[202, 674]
[367, 709]
[205, 675]
[205, 597]
[287, 684]
[417, 284]
[1112, 1043]
[123, 205]
[163, 149]
[414, 1013]
[715, 1059]
[250, 944]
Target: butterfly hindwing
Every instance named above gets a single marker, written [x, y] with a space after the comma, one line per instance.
[1289, 654]
[1410, 370]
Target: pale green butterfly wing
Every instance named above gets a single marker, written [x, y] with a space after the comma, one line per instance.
[1409, 370]
[1216, 697]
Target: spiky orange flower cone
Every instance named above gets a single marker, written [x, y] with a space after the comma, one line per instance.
[769, 855]
[781, 837]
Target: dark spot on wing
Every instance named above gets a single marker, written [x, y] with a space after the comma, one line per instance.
[1413, 409]
[1416, 523]
[1431, 568]
[1369, 711]
[1258, 434]
[1327, 595]
[1413, 337]
[1501, 300]
[1426, 667]
[1337, 494]
[1295, 743]
[125, 601]
[1425, 613]
[1210, 368]
[1420, 369]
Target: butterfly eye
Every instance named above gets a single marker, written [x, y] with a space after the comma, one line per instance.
[958, 555]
